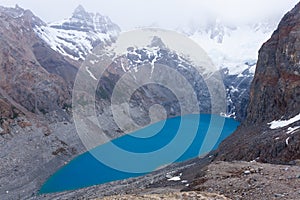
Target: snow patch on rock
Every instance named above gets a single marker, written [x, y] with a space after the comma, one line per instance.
[282, 123]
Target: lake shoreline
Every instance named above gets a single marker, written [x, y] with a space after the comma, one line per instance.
[156, 179]
[171, 141]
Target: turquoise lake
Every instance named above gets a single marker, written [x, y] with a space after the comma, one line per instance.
[85, 170]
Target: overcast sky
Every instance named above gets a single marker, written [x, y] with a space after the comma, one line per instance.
[165, 13]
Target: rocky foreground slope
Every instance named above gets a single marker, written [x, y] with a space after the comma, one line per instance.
[170, 195]
[218, 180]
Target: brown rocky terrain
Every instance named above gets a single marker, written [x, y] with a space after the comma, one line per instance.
[275, 95]
[249, 180]
[27, 73]
[171, 196]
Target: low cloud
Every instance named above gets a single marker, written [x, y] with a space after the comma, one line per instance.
[167, 13]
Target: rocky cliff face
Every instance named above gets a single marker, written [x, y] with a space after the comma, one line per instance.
[31, 73]
[274, 97]
[275, 91]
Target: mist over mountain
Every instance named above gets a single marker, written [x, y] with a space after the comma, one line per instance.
[165, 14]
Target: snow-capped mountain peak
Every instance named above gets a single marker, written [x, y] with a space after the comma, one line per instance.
[79, 9]
[82, 20]
[76, 36]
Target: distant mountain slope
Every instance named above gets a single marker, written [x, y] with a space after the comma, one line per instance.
[150, 61]
[271, 131]
[232, 48]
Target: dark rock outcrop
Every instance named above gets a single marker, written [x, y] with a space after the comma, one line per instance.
[275, 90]
[275, 95]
